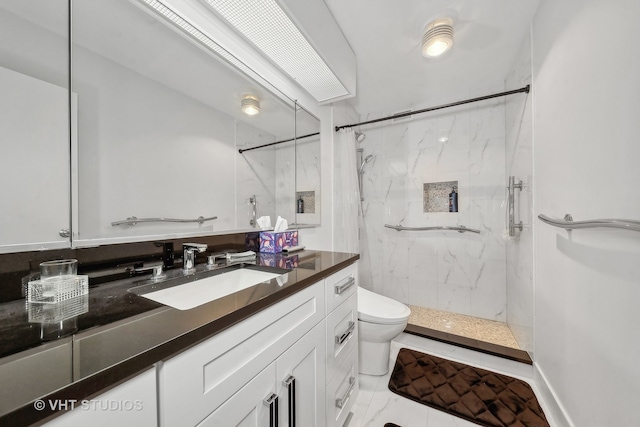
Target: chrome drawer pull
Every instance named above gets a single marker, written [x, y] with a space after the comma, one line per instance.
[272, 403]
[344, 399]
[349, 283]
[342, 338]
[290, 383]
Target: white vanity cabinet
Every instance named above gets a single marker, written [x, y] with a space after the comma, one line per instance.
[194, 385]
[341, 344]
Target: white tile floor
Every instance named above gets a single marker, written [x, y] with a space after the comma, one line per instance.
[375, 405]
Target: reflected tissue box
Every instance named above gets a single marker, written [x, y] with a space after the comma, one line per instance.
[273, 260]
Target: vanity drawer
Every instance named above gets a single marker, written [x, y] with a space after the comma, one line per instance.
[340, 286]
[342, 391]
[342, 334]
[194, 383]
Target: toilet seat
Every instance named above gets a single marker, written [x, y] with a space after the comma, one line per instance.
[375, 308]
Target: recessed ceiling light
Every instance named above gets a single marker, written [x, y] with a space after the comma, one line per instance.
[250, 105]
[438, 38]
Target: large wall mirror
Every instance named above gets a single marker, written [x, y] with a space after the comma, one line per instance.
[34, 125]
[157, 130]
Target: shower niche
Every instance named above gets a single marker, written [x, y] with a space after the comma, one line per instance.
[436, 196]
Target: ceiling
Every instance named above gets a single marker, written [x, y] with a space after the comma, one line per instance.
[386, 38]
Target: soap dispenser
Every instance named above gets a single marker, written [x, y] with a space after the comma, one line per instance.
[300, 205]
[453, 200]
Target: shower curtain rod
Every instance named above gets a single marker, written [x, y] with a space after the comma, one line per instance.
[439, 107]
[242, 150]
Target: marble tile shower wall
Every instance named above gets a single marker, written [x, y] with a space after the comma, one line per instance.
[255, 174]
[519, 157]
[463, 273]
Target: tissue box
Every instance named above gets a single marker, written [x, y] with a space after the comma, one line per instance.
[274, 260]
[271, 242]
[291, 238]
[252, 241]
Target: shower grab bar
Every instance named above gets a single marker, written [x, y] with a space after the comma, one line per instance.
[569, 224]
[459, 229]
[513, 225]
[132, 220]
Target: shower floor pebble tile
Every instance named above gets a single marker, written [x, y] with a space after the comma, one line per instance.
[462, 325]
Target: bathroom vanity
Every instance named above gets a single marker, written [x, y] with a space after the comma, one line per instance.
[285, 348]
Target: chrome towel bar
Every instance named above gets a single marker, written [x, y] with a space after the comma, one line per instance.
[569, 224]
[132, 220]
[459, 229]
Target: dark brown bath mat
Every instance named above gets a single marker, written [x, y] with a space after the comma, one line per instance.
[480, 396]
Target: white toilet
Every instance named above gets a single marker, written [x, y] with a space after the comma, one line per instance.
[380, 319]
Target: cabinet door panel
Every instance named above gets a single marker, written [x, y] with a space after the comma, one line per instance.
[305, 363]
[342, 334]
[246, 408]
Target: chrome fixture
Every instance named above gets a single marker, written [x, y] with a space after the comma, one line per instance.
[364, 162]
[253, 201]
[459, 228]
[360, 136]
[132, 220]
[155, 270]
[569, 224]
[189, 251]
[513, 225]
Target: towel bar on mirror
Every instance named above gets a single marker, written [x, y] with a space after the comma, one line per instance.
[132, 220]
[569, 224]
[459, 228]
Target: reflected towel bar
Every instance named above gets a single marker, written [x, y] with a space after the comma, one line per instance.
[132, 220]
[569, 224]
[459, 229]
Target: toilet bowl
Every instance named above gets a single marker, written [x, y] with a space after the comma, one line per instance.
[380, 319]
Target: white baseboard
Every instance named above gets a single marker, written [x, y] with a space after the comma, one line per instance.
[553, 409]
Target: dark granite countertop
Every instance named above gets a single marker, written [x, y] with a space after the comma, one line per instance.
[121, 333]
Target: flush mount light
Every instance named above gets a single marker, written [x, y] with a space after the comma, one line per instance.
[250, 105]
[438, 38]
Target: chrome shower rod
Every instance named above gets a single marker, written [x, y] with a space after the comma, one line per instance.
[439, 107]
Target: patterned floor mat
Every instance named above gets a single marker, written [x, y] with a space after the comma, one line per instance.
[480, 396]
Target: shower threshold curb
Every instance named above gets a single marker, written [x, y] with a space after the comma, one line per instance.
[471, 344]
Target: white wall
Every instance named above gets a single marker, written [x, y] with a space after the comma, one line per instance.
[586, 150]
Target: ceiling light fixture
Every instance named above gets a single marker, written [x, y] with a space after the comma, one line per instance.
[438, 38]
[265, 24]
[250, 105]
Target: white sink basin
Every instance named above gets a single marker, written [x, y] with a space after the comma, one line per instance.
[193, 294]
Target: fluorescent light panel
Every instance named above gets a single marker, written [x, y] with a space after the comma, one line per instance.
[266, 25]
[197, 35]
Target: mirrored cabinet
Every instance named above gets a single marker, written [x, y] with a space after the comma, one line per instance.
[163, 133]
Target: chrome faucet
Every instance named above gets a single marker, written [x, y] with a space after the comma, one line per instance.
[189, 255]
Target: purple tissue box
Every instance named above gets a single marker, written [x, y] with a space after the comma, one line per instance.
[291, 238]
[271, 242]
